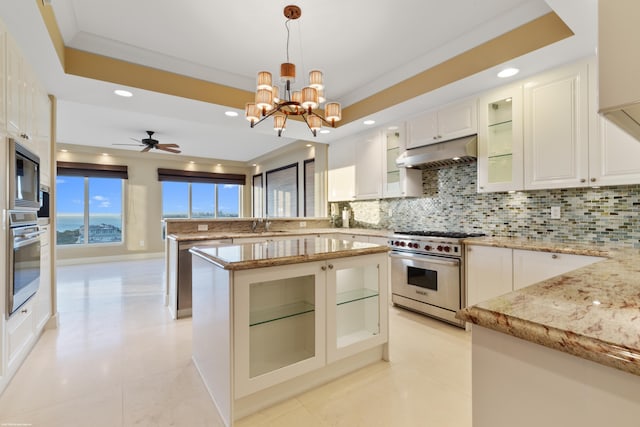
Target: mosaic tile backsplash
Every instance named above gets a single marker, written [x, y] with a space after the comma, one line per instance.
[450, 202]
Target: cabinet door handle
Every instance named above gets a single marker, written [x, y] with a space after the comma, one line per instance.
[554, 256]
[24, 310]
[593, 180]
[323, 268]
[435, 137]
[583, 180]
[330, 266]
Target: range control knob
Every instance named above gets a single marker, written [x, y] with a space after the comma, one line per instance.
[447, 248]
[439, 248]
[428, 247]
[402, 244]
[396, 243]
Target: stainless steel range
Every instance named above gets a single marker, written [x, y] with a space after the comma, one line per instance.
[427, 272]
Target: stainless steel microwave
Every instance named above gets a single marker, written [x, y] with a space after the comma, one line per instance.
[24, 178]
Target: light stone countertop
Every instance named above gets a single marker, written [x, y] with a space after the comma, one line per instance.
[213, 235]
[592, 312]
[245, 256]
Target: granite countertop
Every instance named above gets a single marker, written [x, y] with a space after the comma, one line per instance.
[592, 312]
[216, 235]
[245, 256]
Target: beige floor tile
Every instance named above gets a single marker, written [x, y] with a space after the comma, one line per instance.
[118, 359]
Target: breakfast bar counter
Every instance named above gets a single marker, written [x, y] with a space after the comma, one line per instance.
[541, 342]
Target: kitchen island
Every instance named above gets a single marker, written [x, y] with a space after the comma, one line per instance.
[565, 351]
[275, 318]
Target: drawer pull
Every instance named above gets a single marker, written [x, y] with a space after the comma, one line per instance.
[24, 310]
[554, 256]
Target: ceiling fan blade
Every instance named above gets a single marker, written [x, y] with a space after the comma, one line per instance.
[167, 145]
[145, 149]
[171, 150]
[130, 145]
[136, 140]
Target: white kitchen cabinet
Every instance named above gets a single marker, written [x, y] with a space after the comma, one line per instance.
[449, 122]
[21, 334]
[500, 140]
[613, 157]
[398, 182]
[279, 323]
[356, 319]
[489, 273]
[43, 296]
[42, 134]
[368, 148]
[556, 128]
[342, 170]
[531, 267]
[14, 88]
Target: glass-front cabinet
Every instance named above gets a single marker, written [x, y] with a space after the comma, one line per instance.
[356, 305]
[398, 182]
[280, 324]
[500, 141]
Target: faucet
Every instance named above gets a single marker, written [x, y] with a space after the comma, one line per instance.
[267, 224]
[254, 225]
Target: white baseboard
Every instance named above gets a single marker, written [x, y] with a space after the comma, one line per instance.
[111, 258]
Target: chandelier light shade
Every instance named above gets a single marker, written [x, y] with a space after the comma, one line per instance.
[305, 103]
[264, 80]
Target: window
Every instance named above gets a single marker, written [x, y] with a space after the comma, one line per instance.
[88, 210]
[188, 194]
[282, 191]
[89, 203]
[309, 188]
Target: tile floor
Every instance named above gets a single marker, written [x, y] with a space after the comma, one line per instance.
[117, 359]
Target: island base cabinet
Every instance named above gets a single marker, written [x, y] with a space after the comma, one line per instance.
[519, 383]
[279, 324]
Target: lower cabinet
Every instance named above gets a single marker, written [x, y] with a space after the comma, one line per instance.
[43, 296]
[494, 271]
[294, 319]
[21, 330]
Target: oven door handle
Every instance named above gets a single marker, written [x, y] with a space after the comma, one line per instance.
[22, 242]
[426, 258]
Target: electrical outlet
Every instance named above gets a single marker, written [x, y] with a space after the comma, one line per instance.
[390, 212]
[555, 212]
[203, 227]
[303, 224]
[141, 243]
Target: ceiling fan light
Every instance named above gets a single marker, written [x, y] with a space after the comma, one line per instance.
[309, 97]
[252, 112]
[315, 79]
[288, 72]
[264, 80]
[315, 123]
[279, 123]
[264, 99]
[333, 112]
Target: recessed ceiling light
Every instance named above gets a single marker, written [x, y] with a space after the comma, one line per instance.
[508, 100]
[369, 122]
[508, 72]
[231, 114]
[192, 162]
[105, 154]
[218, 164]
[64, 150]
[309, 145]
[254, 164]
[122, 92]
[392, 128]
[325, 131]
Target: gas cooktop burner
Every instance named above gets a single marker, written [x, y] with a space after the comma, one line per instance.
[449, 234]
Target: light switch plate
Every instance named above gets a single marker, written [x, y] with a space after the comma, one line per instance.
[555, 212]
[203, 227]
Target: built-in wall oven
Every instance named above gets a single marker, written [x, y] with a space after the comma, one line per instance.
[24, 258]
[427, 273]
[24, 178]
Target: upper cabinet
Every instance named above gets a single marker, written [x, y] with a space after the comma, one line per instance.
[398, 182]
[342, 170]
[500, 166]
[3, 78]
[613, 157]
[14, 89]
[556, 128]
[449, 122]
[369, 165]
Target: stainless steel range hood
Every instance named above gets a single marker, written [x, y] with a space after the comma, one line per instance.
[619, 63]
[448, 153]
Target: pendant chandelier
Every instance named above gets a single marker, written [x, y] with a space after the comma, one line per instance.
[304, 103]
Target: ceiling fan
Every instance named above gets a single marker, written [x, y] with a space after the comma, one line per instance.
[149, 143]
